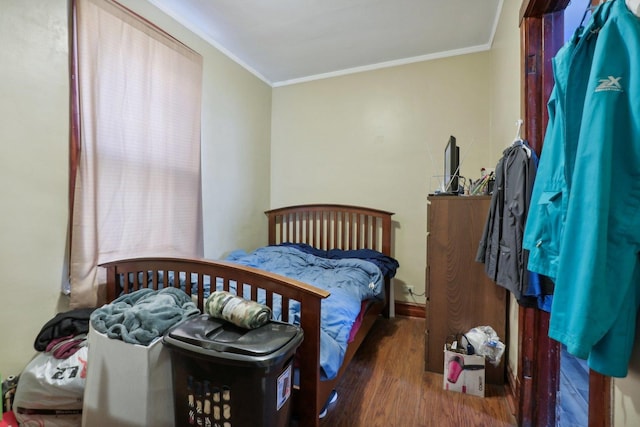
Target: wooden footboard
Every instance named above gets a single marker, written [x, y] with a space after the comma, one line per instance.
[321, 226]
[133, 274]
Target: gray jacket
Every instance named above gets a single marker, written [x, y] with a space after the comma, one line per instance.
[500, 247]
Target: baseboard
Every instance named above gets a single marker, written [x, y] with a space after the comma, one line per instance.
[409, 309]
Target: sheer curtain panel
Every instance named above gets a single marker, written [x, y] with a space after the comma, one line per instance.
[137, 188]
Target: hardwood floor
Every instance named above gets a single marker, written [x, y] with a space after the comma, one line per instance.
[386, 385]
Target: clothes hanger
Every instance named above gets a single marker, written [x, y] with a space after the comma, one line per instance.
[591, 7]
[588, 9]
[518, 139]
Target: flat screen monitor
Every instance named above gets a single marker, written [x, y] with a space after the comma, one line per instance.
[451, 166]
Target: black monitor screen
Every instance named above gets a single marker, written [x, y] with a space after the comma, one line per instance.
[451, 166]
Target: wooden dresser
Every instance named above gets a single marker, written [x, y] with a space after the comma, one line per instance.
[459, 293]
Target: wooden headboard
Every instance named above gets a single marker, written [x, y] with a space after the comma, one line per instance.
[331, 226]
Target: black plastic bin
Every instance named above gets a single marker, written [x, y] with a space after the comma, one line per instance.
[228, 376]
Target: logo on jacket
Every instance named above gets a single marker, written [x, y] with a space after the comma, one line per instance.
[609, 84]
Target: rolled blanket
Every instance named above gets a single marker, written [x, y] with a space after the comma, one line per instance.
[237, 310]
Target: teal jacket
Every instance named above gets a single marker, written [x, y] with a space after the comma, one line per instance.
[596, 266]
[547, 213]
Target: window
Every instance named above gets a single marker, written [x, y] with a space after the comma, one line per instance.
[135, 155]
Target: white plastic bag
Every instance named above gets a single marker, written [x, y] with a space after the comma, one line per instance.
[50, 391]
[486, 342]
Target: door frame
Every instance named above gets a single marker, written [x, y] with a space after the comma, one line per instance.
[541, 36]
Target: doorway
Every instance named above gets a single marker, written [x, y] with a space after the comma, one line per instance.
[542, 396]
[572, 401]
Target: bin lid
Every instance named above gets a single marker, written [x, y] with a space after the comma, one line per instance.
[210, 333]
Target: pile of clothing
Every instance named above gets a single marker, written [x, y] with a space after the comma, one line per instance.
[50, 389]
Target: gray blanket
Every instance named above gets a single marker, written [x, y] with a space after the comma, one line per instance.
[143, 315]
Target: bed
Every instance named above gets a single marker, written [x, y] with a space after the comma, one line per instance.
[320, 226]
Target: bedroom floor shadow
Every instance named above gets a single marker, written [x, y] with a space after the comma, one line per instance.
[386, 385]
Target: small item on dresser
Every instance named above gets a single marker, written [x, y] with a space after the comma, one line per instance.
[237, 310]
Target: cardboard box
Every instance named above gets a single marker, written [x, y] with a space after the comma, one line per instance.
[127, 384]
[464, 373]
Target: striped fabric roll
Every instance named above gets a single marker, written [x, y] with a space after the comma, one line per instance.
[237, 310]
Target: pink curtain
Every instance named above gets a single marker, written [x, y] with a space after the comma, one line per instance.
[138, 179]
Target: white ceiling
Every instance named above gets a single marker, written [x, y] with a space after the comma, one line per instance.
[290, 41]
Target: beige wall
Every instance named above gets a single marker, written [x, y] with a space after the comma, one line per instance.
[376, 139]
[33, 171]
[34, 161]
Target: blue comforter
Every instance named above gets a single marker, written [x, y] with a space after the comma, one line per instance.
[387, 264]
[349, 280]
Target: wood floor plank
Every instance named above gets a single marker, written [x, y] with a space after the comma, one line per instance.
[386, 385]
